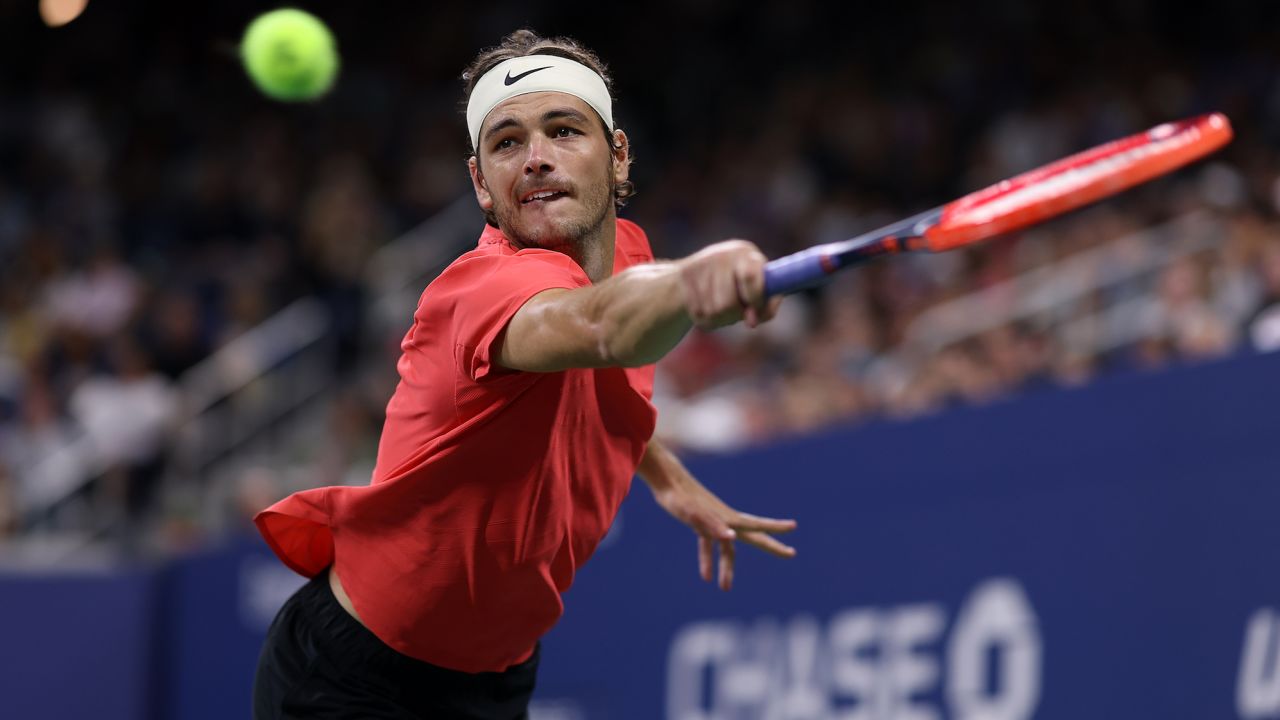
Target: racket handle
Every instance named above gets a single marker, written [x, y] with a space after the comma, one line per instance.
[806, 268]
[796, 272]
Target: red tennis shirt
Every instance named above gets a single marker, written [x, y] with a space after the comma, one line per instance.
[492, 486]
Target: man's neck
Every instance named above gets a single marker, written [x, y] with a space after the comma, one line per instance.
[595, 255]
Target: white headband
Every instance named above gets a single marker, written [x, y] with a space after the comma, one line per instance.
[536, 73]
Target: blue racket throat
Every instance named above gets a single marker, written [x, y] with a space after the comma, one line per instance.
[811, 267]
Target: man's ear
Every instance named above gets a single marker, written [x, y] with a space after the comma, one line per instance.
[477, 182]
[621, 150]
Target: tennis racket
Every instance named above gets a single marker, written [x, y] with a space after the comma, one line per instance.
[1027, 199]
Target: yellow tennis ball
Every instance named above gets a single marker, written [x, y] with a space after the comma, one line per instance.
[290, 55]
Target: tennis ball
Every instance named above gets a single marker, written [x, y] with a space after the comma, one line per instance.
[290, 55]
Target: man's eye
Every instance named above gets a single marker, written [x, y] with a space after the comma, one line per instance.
[504, 143]
[566, 132]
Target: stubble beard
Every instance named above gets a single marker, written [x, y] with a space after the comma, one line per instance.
[573, 236]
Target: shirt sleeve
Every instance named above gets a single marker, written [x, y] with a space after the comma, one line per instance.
[483, 293]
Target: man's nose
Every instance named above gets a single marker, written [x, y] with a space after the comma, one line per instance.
[539, 159]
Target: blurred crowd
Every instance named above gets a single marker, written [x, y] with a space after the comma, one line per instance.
[849, 353]
[153, 207]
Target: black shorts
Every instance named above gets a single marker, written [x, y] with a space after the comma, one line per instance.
[319, 662]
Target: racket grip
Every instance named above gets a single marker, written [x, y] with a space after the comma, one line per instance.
[796, 272]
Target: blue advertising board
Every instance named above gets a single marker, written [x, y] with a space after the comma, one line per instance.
[78, 644]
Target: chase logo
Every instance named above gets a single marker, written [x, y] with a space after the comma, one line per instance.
[865, 663]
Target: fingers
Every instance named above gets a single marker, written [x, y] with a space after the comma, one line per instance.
[714, 302]
[710, 525]
[704, 558]
[711, 297]
[726, 564]
[723, 525]
[748, 273]
[771, 309]
[724, 283]
[744, 521]
[756, 538]
[719, 301]
[768, 543]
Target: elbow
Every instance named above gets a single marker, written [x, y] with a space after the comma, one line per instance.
[615, 347]
[605, 332]
[611, 350]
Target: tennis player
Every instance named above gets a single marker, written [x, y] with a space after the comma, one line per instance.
[522, 413]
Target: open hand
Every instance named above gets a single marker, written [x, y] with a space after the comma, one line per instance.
[719, 525]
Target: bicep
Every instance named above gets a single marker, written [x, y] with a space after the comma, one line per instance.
[552, 331]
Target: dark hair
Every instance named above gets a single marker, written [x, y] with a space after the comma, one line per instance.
[524, 42]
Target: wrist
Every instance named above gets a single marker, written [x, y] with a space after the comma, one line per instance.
[658, 467]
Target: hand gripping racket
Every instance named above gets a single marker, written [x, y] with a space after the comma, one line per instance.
[1029, 198]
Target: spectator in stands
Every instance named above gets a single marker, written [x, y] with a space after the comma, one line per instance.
[8, 506]
[35, 448]
[172, 331]
[1263, 324]
[126, 415]
[1181, 313]
[97, 301]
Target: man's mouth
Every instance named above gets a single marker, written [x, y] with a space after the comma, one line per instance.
[543, 196]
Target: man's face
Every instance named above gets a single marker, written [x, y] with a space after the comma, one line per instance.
[546, 169]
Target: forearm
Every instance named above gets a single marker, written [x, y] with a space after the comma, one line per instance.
[640, 314]
[643, 312]
[630, 319]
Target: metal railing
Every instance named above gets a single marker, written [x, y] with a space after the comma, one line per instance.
[250, 384]
[222, 403]
[244, 398]
[397, 273]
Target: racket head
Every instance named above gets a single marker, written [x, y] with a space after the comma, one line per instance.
[1075, 181]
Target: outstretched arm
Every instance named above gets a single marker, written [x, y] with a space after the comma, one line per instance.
[680, 494]
[638, 315]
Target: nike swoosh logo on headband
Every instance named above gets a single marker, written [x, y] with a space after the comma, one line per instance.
[513, 80]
